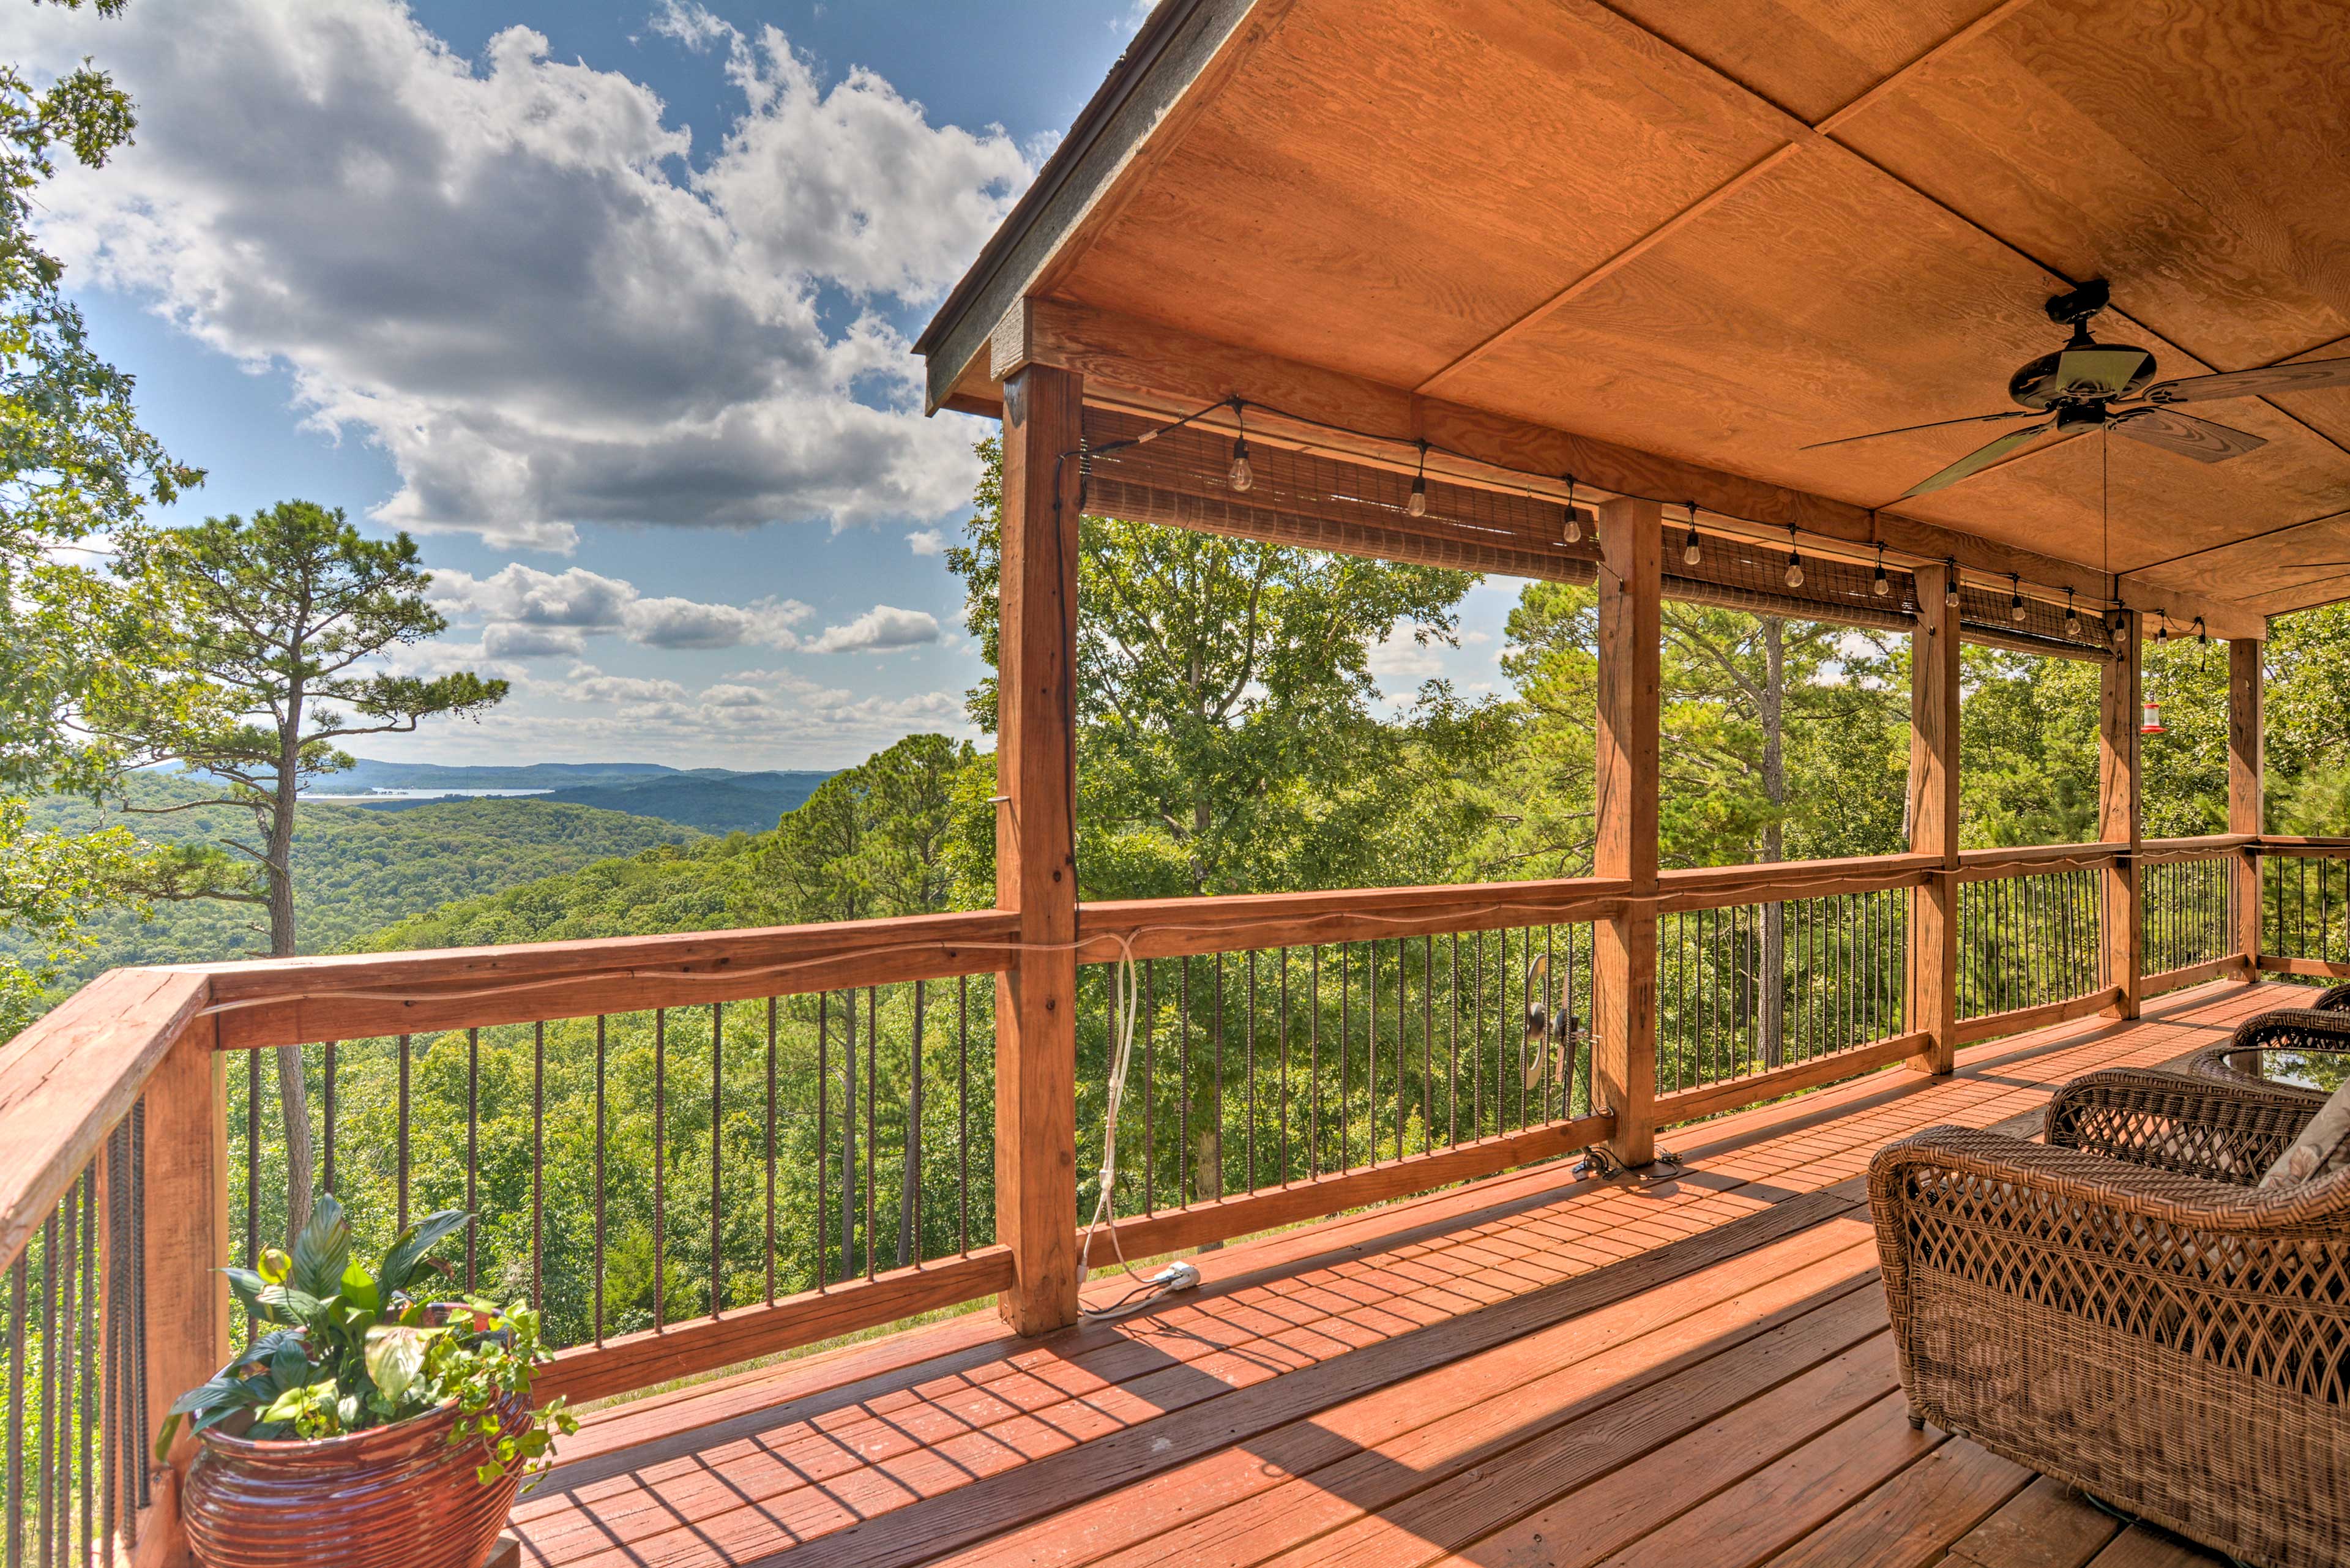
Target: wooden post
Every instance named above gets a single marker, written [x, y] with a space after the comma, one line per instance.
[1623, 1005]
[2247, 761]
[1934, 818]
[2118, 715]
[1036, 849]
[187, 1311]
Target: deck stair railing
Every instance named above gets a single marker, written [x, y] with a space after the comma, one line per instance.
[691, 1151]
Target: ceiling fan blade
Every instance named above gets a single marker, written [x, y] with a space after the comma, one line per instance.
[2185, 435]
[1975, 461]
[1934, 425]
[2303, 377]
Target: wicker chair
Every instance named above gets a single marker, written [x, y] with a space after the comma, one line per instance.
[2305, 1031]
[2124, 1309]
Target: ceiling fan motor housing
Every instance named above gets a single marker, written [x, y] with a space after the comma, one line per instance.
[2084, 371]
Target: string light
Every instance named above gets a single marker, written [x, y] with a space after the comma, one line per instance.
[1418, 504]
[1573, 533]
[1692, 550]
[1794, 560]
[1950, 583]
[2162, 632]
[1240, 476]
[2202, 634]
[2120, 623]
[2072, 617]
[1880, 584]
[2016, 612]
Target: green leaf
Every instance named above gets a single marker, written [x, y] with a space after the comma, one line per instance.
[407, 1254]
[395, 1357]
[322, 1250]
[359, 1289]
[299, 1306]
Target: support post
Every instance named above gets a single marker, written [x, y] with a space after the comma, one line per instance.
[2247, 806]
[2118, 715]
[187, 1309]
[1934, 819]
[1036, 849]
[1624, 1005]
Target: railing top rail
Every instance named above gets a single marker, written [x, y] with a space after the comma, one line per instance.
[70, 1075]
[2214, 843]
[1780, 881]
[1170, 927]
[2293, 843]
[274, 1002]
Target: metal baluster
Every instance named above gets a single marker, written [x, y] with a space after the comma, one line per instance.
[1186, 1182]
[19, 1305]
[45, 1470]
[400, 1138]
[472, 1146]
[909, 1209]
[1346, 1093]
[1248, 1035]
[252, 1176]
[872, 1089]
[1314, 1061]
[962, 1111]
[326, 1116]
[1150, 1096]
[85, 1382]
[848, 1138]
[822, 1130]
[661, 1167]
[1285, 1066]
[1427, 1042]
[537, 1167]
[599, 1178]
[1477, 1039]
[1216, 1040]
[773, 1006]
[717, 1143]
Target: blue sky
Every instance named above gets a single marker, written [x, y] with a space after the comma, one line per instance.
[608, 302]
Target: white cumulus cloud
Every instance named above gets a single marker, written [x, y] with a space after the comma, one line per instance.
[879, 631]
[506, 273]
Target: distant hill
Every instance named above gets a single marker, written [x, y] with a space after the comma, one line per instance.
[370, 773]
[356, 867]
[727, 802]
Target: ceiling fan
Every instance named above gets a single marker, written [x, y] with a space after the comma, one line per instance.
[2076, 388]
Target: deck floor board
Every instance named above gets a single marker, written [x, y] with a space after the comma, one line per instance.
[1529, 1369]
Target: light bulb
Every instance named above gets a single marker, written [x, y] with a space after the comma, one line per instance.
[1950, 593]
[1880, 584]
[1795, 570]
[2016, 612]
[1574, 526]
[1242, 475]
[1418, 504]
[1692, 550]
[2121, 630]
[2162, 634]
[2072, 624]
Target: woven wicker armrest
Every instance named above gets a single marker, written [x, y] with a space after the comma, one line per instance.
[2294, 1028]
[2219, 1129]
[2334, 998]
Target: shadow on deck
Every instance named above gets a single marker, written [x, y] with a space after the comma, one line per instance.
[1523, 1371]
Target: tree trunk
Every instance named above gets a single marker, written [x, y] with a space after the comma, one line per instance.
[1772, 995]
[277, 871]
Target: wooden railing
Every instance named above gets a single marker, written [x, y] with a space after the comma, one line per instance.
[695, 1150]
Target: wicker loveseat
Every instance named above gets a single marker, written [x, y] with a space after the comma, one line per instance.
[2123, 1308]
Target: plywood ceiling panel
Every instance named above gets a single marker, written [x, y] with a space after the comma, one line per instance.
[2192, 152]
[1380, 211]
[1616, 221]
[1811, 57]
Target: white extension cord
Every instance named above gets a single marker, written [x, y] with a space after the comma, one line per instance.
[1175, 1276]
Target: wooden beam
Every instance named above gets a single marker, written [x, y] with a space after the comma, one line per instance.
[1631, 680]
[1143, 365]
[2308, 969]
[187, 1228]
[625, 1363]
[1035, 849]
[2234, 964]
[297, 1001]
[1934, 817]
[1735, 1094]
[1221, 1219]
[1172, 927]
[2247, 768]
[2023, 1018]
[2118, 817]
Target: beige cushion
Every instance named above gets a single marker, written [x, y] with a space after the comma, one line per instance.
[2317, 1146]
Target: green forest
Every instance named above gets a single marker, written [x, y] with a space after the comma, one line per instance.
[1232, 738]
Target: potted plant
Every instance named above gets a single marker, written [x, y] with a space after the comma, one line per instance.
[366, 1425]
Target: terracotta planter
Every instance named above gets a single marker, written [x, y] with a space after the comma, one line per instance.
[395, 1497]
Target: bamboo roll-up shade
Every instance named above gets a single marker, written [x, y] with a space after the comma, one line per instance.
[1987, 616]
[1183, 478]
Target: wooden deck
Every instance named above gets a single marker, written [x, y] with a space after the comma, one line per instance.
[1528, 1371]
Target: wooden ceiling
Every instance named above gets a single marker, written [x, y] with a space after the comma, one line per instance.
[1718, 230]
